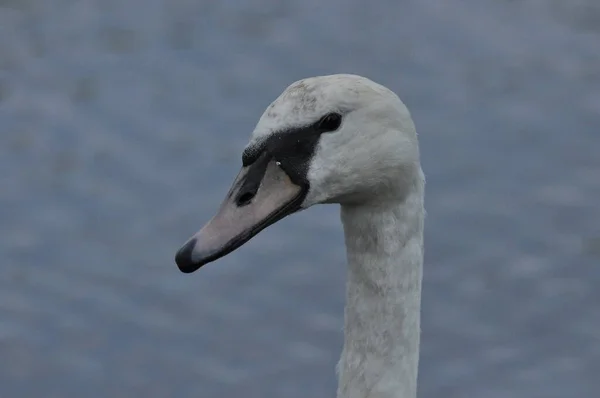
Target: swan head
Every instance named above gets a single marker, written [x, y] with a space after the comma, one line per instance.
[328, 139]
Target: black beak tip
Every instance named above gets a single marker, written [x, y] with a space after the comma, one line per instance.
[184, 258]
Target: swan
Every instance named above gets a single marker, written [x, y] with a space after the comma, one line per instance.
[341, 139]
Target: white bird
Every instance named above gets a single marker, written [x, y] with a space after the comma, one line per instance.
[341, 139]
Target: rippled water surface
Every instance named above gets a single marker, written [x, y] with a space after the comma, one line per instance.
[121, 127]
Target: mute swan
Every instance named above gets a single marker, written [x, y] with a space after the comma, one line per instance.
[341, 139]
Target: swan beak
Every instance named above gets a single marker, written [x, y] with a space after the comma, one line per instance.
[261, 195]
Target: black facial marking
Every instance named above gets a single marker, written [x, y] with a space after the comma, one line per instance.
[293, 148]
[251, 154]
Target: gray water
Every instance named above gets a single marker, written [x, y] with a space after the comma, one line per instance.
[121, 127]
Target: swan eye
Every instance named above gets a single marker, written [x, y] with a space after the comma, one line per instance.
[330, 122]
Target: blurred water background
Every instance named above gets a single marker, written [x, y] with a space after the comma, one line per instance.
[122, 125]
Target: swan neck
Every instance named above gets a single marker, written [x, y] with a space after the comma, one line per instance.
[383, 297]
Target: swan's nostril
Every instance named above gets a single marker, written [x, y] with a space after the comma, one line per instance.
[245, 198]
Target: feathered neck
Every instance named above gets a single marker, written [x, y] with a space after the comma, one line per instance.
[384, 244]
